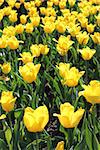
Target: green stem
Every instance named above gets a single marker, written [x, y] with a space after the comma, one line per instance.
[86, 63]
[37, 144]
[48, 140]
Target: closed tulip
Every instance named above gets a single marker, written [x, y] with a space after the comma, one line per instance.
[60, 146]
[6, 68]
[91, 92]
[68, 118]
[7, 101]
[36, 120]
[29, 71]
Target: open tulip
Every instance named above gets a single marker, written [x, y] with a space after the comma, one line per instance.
[91, 92]
[7, 101]
[64, 44]
[29, 71]
[87, 53]
[26, 57]
[82, 38]
[68, 118]
[36, 120]
[70, 75]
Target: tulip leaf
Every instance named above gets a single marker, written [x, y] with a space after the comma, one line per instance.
[8, 135]
[56, 86]
[88, 136]
[18, 113]
[2, 144]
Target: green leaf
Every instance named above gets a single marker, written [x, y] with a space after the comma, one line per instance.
[56, 86]
[88, 136]
[3, 87]
[8, 135]
[2, 145]
[18, 113]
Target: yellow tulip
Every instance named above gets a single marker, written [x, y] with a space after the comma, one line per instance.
[7, 101]
[35, 50]
[43, 49]
[96, 37]
[11, 3]
[1, 2]
[91, 92]
[90, 28]
[35, 21]
[87, 53]
[60, 26]
[71, 2]
[13, 43]
[23, 19]
[29, 28]
[36, 120]
[26, 57]
[60, 146]
[9, 31]
[64, 44]
[70, 75]
[98, 19]
[68, 118]
[7, 10]
[17, 5]
[13, 16]
[62, 4]
[19, 29]
[63, 68]
[82, 38]
[49, 27]
[29, 71]
[74, 29]
[3, 42]
[6, 68]
[82, 20]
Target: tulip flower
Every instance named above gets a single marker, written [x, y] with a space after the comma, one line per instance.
[91, 92]
[19, 29]
[90, 28]
[13, 43]
[71, 2]
[68, 118]
[87, 53]
[29, 71]
[36, 120]
[6, 68]
[96, 37]
[70, 75]
[82, 38]
[26, 57]
[64, 44]
[49, 27]
[60, 146]
[35, 50]
[7, 100]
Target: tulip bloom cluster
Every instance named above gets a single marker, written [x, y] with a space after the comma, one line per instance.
[49, 51]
